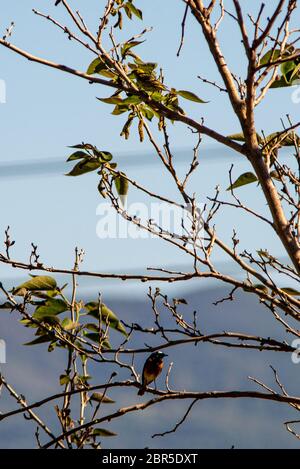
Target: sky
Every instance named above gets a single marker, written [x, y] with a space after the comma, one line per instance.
[47, 110]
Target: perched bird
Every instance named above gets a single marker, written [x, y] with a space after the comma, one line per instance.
[152, 368]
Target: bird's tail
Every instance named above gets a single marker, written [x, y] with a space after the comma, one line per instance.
[141, 392]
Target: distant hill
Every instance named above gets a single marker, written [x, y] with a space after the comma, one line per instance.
[213, 424]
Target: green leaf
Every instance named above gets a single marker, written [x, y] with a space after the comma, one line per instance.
[240, 137]
[147, 112]
[99, 397]
[120, 109]
[129, 45]
[271, 55]
[122, 186]
[190, 96]
[52, 320]
[82, 146]
[106, 315]
[143, 67]
[40, 340]
[79, 379]
[52, 346]
[261, 287]
[85, 166]
[27, 323]
[103, 432]
[148, 82]
[290, 139]
[105, 156]
[157, 96]
[91, 326]
[68, 324]
[64, 379]
[45, 294]
[94, 337]
[135, 11]
[296, 73]
[78, 155]
[101, 67]
[287, 69]
[40, 282]
[242, 180]
[111, 100]
[107, 74]
[50, 307]
[280, 83]
[279, 139]
[96, 66]
[291, 291]
[132, 100]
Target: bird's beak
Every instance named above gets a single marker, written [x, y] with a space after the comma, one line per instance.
[165, 355]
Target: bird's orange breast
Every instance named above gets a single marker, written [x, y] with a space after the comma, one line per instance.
[152, 370]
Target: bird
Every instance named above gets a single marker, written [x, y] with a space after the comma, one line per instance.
[152, 368]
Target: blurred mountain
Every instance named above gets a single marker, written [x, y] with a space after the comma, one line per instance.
[220, 423]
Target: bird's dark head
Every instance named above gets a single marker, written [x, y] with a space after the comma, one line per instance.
[158, 355]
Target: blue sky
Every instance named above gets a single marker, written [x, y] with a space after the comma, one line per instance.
[47, 110]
